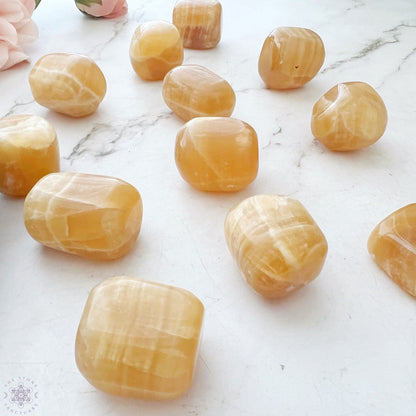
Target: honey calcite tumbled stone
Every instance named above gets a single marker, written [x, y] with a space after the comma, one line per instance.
[28, 151]
[194, 91]
[155, 49]
[96, 217]
[68, 83]
[217, 153]
[290, 57]
[349, 116]
[276, 243]
[139, 339]
[392, 245]
[199, 22]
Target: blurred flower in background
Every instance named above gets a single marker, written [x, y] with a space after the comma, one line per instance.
[103, 8]
[16, 29]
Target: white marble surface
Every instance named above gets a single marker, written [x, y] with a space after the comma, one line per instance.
[344, 345]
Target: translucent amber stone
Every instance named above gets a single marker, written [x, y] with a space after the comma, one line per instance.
[217, 153]
[96, 217]
[194, 91]
[199, 22]
[155, 49]
[28, 151]
[291, 57]
[139, 339]
[70, 84]
[349, 116]
[276, 244]
[393, 247]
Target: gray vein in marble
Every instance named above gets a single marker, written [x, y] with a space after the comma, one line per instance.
[356, 4]
[17, 104]
[271, 141]
[374, 45]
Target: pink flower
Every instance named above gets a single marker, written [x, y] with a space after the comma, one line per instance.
[16, 29]
[103, 8]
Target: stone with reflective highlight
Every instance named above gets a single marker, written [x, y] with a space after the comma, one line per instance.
[155, 49]
[217, 153]
[276, 243]
[392, 245]
[96, 217]
[195, 91]
[199, 22]
[349, 116]
[67, 83]
[290, 57]
[28, 151]
[139, 339]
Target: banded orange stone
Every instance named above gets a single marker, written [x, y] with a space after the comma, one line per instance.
[28, 151]
[276, 243]
[139, 338]
[68, 83]
[92, 216]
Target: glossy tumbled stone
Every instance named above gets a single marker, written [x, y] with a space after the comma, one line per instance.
[392, 245]
[290, 57]
[199, 22]
[68, 83]
[349, 116]
[194, 91]
[96, 217]
[155, 49]
[28, 151]
[139, 339]
[217, 153]
[276, 243]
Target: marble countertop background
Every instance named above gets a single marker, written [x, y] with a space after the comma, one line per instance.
[345, 344]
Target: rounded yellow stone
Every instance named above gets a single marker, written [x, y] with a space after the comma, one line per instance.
[217, 153]
[67, 83]
[28, 151]
[96, 217]
[195, 91]
[392, 245]
[290, 57]
[139, 339]
[155, 49]
[276, 243]
[199, 22]
[349, 116]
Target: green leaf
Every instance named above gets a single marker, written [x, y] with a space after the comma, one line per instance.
[88, 3]
[37, 3]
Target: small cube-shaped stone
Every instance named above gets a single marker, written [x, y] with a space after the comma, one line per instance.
[139, 339]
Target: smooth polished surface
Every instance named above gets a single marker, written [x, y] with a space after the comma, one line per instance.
[350, 116]
[155, 49]
[68, 83]
[195, 91]
[217, 154]
[139, 339]
[28, 151]
[96, 217]
[392, 245]
[276, 243]
[344, 344]
[199, 22]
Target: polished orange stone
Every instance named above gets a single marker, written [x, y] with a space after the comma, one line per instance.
[392, 245]
[96, 217]
[194, 91]
[155, 49]
[139, 339]
[67, 83]
[199, 22]
[290, 57]
[276, 243]
[349, 116]
[28, 151]
[217, 153]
